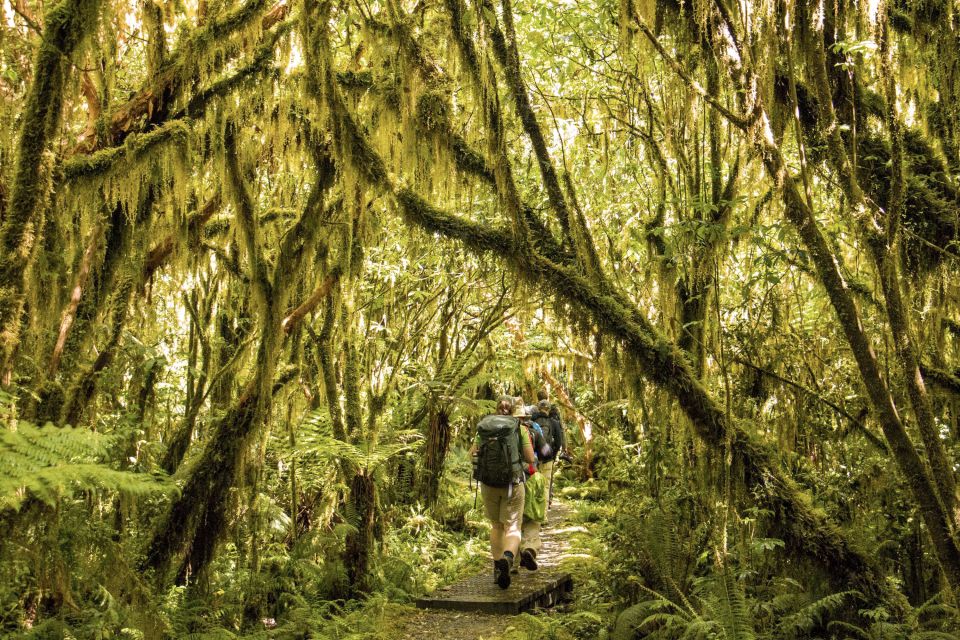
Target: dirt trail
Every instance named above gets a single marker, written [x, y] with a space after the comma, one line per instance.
[438, 624]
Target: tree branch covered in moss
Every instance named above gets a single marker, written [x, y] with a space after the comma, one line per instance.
[135, 149]
[806, 530]
[160, 91]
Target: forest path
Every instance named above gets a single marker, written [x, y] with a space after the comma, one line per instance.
[440, 624]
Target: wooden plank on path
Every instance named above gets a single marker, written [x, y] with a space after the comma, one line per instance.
[528, 590]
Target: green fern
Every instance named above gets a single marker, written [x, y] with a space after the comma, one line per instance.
[49, 462]
[654, 617]
[727, 604]
[368, 456]
[803, 621]
[214, 634]
[850, 630]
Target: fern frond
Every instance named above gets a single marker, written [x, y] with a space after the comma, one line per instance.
[320, 442]
[385, 452]
[49, 462]
[848, 628]
[804, 620]
[936, 607]
[666, 602]
[213, 634]
[732, 612]
[330, 448]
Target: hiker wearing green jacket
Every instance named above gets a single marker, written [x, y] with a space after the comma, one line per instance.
[535, 496]
[503, 453]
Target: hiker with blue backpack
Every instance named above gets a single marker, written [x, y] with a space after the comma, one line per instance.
[548, 417]
[503, 455]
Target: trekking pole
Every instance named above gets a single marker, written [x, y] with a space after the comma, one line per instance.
[553, 472]
[473, 479]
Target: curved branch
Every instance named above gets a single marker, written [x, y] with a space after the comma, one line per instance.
[161, 90]
[136, 148]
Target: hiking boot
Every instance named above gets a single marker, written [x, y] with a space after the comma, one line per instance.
[501, 572]
[528, 559]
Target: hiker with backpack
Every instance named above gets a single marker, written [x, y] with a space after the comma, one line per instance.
[535, 491]
[548, 417]
[503, 453]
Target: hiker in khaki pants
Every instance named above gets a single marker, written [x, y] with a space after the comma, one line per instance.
[502, 489]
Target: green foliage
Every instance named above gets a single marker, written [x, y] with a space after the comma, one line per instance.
[367, 457]
[397, 133]
[50, 462]
[812, 616]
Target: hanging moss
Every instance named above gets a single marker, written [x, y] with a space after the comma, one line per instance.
[81, 394]
[135, 149]
[207, 47]
[806, 530]
[67, 23]
[188, 534]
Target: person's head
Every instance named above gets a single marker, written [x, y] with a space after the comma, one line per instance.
[520, 409]
[544, 406]
[504, 407]
[541, 395]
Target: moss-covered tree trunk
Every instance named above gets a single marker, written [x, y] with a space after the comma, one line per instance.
[189, 532]
[438, 443]
[359, 544]
[66, 25]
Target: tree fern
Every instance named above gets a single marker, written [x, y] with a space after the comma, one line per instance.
[49, 462]
[369, 456]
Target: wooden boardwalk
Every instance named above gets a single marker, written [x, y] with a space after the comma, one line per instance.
[528, 589]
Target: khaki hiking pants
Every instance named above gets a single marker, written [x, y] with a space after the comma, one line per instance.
[546, 468]
[504, 509]
[530, 536]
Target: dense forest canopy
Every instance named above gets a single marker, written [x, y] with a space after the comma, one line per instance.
[263, 265]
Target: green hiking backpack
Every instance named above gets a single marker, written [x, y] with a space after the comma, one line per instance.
[498, 457]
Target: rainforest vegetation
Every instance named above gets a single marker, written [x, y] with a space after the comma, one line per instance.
[264, 264]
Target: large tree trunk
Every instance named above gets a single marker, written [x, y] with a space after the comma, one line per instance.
[359, 543]
[438, 443]
[192, 527]
[66, 25]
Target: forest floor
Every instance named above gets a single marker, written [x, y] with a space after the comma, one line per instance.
[438, 624]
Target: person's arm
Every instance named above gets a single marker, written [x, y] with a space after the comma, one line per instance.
[527, 447]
